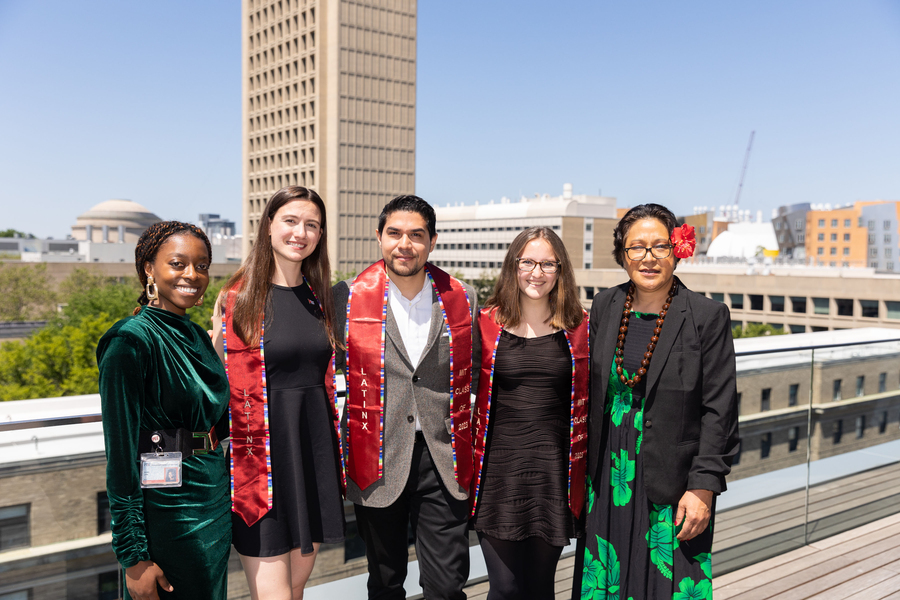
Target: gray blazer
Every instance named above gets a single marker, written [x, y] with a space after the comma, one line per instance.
[409, 390]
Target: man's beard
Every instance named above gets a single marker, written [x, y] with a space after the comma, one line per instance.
[405, 270]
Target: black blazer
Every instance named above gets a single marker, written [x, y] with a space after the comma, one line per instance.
[690, 412]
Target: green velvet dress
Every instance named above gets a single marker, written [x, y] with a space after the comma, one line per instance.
[158, 370]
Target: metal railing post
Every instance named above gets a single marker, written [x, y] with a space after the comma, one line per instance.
[812, 368]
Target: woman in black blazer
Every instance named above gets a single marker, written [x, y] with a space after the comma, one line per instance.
[663, 423]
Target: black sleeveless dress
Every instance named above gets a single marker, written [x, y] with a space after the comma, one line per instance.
[524, 489]
[306, 490]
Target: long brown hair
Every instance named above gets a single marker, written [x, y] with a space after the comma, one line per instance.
[252, 281]
[565, 309]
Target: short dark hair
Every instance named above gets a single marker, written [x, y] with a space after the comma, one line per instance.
[409, 203]
[641, 211]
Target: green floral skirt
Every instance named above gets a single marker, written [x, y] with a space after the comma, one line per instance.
[629, 551]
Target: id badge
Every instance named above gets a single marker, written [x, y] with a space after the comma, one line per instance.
[161, 470]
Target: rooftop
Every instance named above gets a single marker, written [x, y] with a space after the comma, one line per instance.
[544, 205]
[864, 339]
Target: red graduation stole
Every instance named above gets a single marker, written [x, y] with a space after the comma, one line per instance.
[365, 335]
[577, 340]
[248, 411]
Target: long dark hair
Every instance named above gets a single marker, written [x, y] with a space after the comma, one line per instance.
[641, 211]
[252, 281]
[565, 309]
[151, 241]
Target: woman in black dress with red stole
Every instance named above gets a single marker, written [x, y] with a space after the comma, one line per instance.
[275, 336]
[663, 423]
[530, 417]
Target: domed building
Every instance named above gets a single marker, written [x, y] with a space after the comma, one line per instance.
[744, 240]
[114, 221]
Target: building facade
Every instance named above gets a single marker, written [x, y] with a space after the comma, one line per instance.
[113, 221]
[703, 230]
[854, 401]
[473, 239]
[213, 225]
[836, 237]
[55, 539]
[789, 223]
[329, 102]
[882, 228]
[795, 299]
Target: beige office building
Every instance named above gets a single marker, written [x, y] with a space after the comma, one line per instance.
[473, 239]
[329, 102]
[796, 299]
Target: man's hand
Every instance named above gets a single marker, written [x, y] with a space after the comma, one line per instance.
[141, 580]
[694, 511]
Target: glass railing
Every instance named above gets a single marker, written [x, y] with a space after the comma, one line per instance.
[820, 449]
[820, 454]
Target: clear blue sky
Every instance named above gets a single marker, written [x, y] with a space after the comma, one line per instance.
[646, 101]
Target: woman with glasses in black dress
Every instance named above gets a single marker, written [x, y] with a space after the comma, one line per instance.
[530, 417]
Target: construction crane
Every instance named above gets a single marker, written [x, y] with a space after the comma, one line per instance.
[737, 196]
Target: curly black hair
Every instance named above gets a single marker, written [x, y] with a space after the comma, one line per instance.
[151, 241]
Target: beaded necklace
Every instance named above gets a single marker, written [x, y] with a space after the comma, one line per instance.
[620, 343]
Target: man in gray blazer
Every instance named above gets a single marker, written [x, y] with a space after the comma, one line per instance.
[425, 453]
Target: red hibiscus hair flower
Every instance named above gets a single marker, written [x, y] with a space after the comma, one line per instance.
[684, 241]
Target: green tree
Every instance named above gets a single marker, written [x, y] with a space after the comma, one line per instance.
[58, 360]
[338, 276]
[8, 233]
[755, 330]
[86, 293]
[202, 315]
[25, 292]
[484, 285]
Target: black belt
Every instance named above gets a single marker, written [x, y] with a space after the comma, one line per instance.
[178, 440]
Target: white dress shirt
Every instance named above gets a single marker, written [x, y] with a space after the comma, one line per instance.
[413, 318]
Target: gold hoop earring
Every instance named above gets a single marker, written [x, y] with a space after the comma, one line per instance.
[151, 295]
[200, 301]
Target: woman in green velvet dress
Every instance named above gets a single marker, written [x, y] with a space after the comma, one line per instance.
[161, 383]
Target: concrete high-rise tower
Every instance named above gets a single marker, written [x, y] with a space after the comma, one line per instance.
[329, 102]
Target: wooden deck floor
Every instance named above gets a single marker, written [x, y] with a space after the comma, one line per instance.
[861, 564]
[749, 534]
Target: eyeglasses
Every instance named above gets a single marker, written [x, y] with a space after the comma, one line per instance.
[548, 267]
[658, 252]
